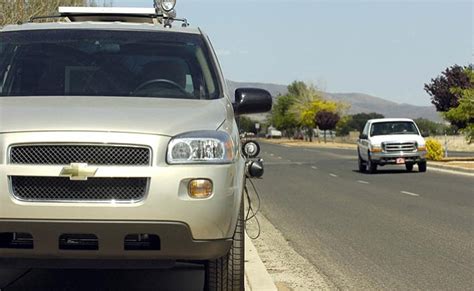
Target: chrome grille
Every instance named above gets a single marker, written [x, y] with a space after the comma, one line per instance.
[44, 189]
[399, 147]
[106, 155]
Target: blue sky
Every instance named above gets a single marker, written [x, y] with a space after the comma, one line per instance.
[387, 49]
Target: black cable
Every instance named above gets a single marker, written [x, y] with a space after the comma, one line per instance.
[251, 213]
[249, 200]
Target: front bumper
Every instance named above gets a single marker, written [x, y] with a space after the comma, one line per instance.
[385, 158]
[167, 200]
[175, 241]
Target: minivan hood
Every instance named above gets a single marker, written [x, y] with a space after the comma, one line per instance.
[377, 140]
[112, 114]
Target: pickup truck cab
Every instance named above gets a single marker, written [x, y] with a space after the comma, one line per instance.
[391, 141]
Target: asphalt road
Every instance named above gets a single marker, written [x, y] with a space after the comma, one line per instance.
[390, 230]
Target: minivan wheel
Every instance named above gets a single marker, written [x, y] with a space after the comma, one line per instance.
[370, 166]
[422, 167]
[227, 272]
[409, 167]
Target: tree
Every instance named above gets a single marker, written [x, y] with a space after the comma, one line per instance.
[430, 127]
[282, 118]
[440, 88]
[326, 120]
[310, 101]
[464, 112]
[20, 11]
[343, 127]
[299, 106]
[297, 88]
[360, 119]
[246, 125]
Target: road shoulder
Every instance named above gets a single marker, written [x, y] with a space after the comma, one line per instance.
[288, 269]
[446, 168]
[256, 275]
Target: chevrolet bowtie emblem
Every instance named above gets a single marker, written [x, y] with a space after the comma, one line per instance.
[78, 172]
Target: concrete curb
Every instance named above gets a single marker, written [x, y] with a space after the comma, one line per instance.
[450, 169]
[257, 276]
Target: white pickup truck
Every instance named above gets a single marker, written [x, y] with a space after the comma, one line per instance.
[395, 141]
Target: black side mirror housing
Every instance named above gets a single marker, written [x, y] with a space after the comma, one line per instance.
[363, 136]
[425, 134]
[252, 100]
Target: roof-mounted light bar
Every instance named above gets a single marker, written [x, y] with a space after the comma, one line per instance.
[65, 11]
[164, 12]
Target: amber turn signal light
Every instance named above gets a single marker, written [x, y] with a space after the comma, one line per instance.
[200, 188]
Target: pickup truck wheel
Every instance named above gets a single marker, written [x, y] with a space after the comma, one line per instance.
[227, 272]
[422, 167]
[370, 166]
[409, 167]
[361, 163]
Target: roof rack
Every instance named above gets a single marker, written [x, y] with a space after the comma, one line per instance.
[115, 14]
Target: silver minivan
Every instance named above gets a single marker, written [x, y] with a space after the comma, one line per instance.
[119, 142]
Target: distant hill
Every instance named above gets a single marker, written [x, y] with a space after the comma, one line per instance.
[359, 102]
[274, 89]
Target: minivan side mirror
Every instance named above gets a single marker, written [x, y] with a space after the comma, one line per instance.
[363, 136]
[252, 100]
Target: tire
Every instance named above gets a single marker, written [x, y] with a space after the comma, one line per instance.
[361, 163]
[370, 166]
[409, 167]
[422, 167]
[227, 272]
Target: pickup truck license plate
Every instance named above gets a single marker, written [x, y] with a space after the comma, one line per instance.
[400, 161]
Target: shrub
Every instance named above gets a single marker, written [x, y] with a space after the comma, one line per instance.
[434, 149]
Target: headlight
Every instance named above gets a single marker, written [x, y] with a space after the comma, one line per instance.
[421, 148]
[201, 147]
[375, 148]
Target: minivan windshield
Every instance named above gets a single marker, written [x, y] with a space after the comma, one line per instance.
[106, 63]
[396, 127]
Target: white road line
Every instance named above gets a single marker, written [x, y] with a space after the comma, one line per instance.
[409, 193]
[314, 168]
[333, 175]
[280, 163]
[454, 172]
[280, 158]
[271, 155]
[299, 164]
[363, 182]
